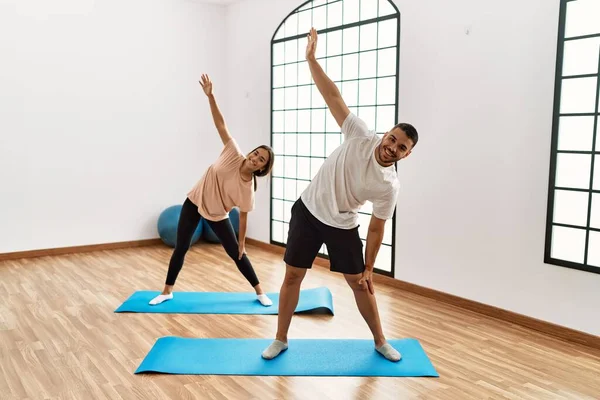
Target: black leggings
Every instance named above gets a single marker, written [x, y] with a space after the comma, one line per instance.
[188, 222]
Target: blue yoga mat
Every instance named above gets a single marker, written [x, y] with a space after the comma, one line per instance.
[311, 300]
[304, 357]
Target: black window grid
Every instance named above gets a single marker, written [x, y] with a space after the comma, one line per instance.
[291, 179]
[380, 14]
[553, 187]
[334, 55]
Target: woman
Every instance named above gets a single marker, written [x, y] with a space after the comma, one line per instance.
[229, 182]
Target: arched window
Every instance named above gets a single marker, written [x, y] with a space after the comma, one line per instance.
[573, 222]
[358, 48]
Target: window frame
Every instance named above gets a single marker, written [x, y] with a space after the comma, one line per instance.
[396, 15]
[554, 152]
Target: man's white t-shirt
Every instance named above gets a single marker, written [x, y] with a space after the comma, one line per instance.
[349, 177]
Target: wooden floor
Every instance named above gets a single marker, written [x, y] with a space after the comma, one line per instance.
[60, 339]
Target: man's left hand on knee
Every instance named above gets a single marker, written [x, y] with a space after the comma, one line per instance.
[366, 280]
[363, 281]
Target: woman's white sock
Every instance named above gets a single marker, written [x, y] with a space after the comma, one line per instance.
[160, 298]
[264, 300]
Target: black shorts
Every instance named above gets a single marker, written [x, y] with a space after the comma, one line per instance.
[306, 236]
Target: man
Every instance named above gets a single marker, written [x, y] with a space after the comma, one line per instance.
[361, 169]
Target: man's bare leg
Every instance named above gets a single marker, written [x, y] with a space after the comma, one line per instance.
[288, 301]
[367, 305]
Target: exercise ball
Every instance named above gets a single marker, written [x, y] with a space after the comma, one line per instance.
[234, 217]
[167, 226]
[209, 235]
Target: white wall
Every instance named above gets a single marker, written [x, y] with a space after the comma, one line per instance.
[473, 202]
[102, 120]
[248, 46]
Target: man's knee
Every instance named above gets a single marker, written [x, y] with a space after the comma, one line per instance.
[354, 282]
[294, 276]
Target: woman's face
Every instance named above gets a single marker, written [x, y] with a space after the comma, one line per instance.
[258, 158]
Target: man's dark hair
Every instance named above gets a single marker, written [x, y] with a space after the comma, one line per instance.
[410, 131]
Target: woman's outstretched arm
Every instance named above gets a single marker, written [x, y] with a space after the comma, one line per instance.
[218, 119]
